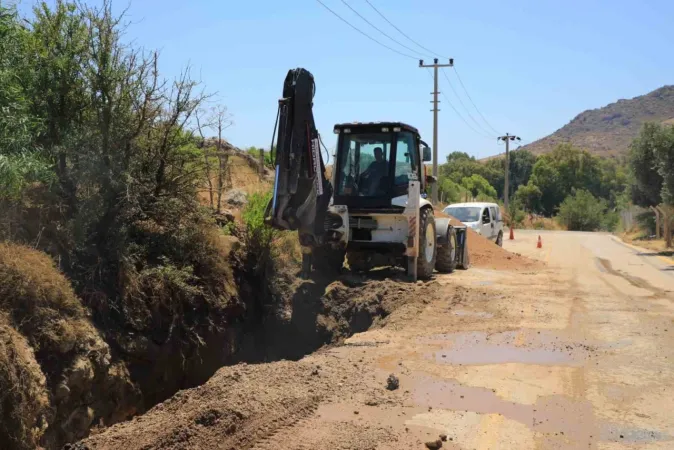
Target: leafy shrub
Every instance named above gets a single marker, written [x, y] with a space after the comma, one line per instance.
[256, 235]
[582, 211]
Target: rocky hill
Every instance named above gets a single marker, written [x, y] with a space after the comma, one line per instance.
[608, 131]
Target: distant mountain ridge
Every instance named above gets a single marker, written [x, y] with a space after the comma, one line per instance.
[608, 131]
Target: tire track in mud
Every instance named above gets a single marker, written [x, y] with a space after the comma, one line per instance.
[280, 437]
[262, 433]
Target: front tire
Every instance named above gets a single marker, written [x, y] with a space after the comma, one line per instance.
[328, 260]
[446, 260]
[358, 261]
[427, 245]
[499, 239]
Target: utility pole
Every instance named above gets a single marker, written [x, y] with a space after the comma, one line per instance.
[506, 186]
[435, 66]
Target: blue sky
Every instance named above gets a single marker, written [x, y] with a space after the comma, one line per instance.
[529, 65]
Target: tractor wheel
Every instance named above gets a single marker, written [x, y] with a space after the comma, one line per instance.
[446, 261]
[328, 260]
[358, 261]
[427, 245]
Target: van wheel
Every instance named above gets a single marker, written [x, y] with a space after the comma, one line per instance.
[446, 260]
[499, 239]
[427, 244]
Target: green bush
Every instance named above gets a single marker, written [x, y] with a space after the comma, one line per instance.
[258, 238]
[582, 211]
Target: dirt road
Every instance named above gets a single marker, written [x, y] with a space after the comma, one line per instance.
[576, 354]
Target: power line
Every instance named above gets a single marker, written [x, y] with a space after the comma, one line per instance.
[458, 113]
[400, 31]
[365, 34]
[455, 71]
[471, 100]
[464, 106]
[381, 31]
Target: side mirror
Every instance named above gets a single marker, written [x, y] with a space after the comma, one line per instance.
[426, 157]
[430, 179]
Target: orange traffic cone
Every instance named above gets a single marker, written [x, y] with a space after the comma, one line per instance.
[540, 243]
[512, 233]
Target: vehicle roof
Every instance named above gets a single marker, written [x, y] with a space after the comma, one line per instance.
[473, 204]
[377, 124]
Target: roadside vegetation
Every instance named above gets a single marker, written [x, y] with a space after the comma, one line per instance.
[651, 160]
[565, 184]
[118, 285]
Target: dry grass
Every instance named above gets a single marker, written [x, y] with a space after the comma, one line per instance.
[24, 400]
[636, 237]
[40, 301]
[241, 176]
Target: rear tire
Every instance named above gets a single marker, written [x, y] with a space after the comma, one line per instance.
[428, 249]
[446, 260]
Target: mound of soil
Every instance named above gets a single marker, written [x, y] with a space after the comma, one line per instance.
[486, 254]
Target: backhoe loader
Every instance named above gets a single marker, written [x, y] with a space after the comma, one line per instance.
[371, 213]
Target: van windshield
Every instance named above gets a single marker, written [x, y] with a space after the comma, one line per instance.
[464, 213]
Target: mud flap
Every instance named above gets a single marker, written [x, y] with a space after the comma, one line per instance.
[462, 242]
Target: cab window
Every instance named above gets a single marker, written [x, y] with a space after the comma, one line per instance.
[364, 164]
[495, 213]
[406, 158]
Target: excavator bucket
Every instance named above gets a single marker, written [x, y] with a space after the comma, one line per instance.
[301, 191]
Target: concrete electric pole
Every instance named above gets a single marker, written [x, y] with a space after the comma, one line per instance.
[506, 186]
[435, 66]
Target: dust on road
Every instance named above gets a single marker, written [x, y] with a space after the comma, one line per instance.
[547, 357]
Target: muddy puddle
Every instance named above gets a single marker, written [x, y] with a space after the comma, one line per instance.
[523, 346]
[556, 416]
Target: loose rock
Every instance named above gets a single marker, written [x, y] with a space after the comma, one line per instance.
[392, 383]
[434, 445]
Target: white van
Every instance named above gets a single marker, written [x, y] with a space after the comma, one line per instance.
[484, 218]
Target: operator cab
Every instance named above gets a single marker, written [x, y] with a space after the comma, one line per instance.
[374, 162]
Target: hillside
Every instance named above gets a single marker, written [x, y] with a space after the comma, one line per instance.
[608, 131]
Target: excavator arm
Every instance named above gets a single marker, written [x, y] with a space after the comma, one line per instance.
[301, 191]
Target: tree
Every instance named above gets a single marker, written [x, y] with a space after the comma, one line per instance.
[477, 185]
[529, 196]
[582, 211]
[546, 176]
[449, 191]
[647, 185]
[218, 120]
[521, 165]
[652, 166]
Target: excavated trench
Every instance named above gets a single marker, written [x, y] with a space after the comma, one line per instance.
[289, 318]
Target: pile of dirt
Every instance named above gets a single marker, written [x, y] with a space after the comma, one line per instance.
[486, 254]
[303, 315]
[55, 394]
